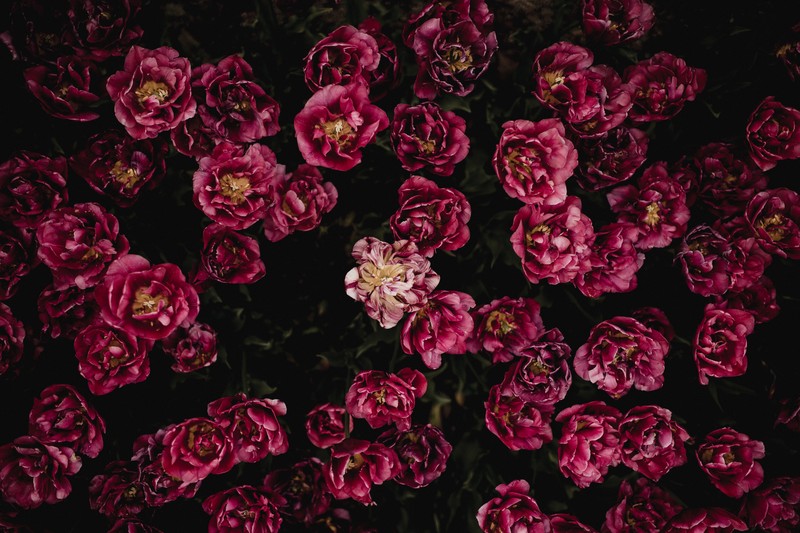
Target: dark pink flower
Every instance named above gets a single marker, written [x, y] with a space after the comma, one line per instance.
[600, 101]
[383, 398]
[252, 425]
[158, 486]
[64, 88]
[151, 302]
[705, 258]
[61, 416]
[641, 506]
[38, 31]
[243, 509]
[613, 261]
[533, 161]
[192, 348]
[566, 523]
[387, 75]
[301, 490]
[553, 241]
[12, 337]
[651, 442]
[78, 242]
[153, 93]
[726, 181]
[611, 22]
[540, 374]
[475, 10]
[195, 449]
[66, 311]
[301, 198]
[390, 278]
[774, 216]
[506, 326]
[705, 520]
[229, 256]
[118, 491]
[33, 473]
[520, 425]
[345, 56]
[654, 318]
[17, 257]
[356, 465]
[661, 87]
[104, 29]
[589, 443]
[432, 217]
[441, 325]
[132, 525]
[610, 158]
[720, 344]
[729, 459]
[119, 166]
[774, 506]
[423, 452]
[773, 133]
[110, 358]
[231, 104]
[426, 137]
[325, 425]
[335, 124]
[31, 185]
[512, 511]
[193, 138]
[759, 299]
[558, 75]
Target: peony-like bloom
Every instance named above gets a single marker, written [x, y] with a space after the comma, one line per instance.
[706, 519]
[720, 344]
[231, 104]
[610, 158]
[64, 88]
[192, 348]
[705, 258]
[651, 443]
[102, 30]
[119, 166]
[243, 509]
[383, 398]
[335, 124]
[654, 318]
[774, 216]
[159, 487]
[110, 358]
[589, 443]
[758, 299]
[423, 452]
[301, 198]
[151, 302]
[153, 93]
[533, 161]
[726, 181]
[345, 56]
[611, 22]
[566, 523]
[61, 416]
[601, 101]
[325, 425]
[441, 325]
[641, 506]
[613, 261]
[622, 353]
[17, 257]
[12, 337]
[773, 133]
[553, 241]
[67, 311]
[31, 185]
[195, 449]
[506, 326]
[540, 374]
[78, 242]
[520, 425]
[387, 75]
[661, 87]
[729, 459]
[193, 138]
[512, 511]
[301, 490]
[252, 425]
[33, 473]
[119, 491]
[432, 217]
[229, 256]
[426, 137]
[774, 506]
[390, 279]
[475, 10]
[356, 465]
[557, 74]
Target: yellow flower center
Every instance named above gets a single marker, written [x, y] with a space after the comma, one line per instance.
[152, 89]
[339, 131]
[234, 188]
[145, 303]
[652, 217]
[773, 226]
[500, 321]
[375, 276]
[125, 175]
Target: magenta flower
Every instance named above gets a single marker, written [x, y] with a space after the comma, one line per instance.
[426, 137]
[774, 506]
[325, 425]
[520, 425]
[192, 348]
[726, 182]
[566, 523]
[119, 491]
[12, 337]
[613, 261]
[641, 506]
[345, 56]
[252, 425]
[662, 85]
[64, 88]
[589, 443]
[729, 459]
[758, 299]
[513, 510]
[102, 30]
[610, 158]
[17, 259]
[705, 258]
[193, 138]
[720, 344]
[356, 465]
[243, 509]
[335, 124]
[383, 398]
[387, 75]
[707, 519]
[613, 22]
[160, 487]
[600, 103]
[540, 374]
[558, 75]
[651, 443]
[423, 452]
[110, 358]
[132, 525]
[229, 256]
[506, 326]
[31, 185]
[773, 133]
[774, 216]
[195, 449]
[301, 490]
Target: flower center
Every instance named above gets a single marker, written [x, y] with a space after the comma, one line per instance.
[152, 89]
[340, 131]
[234, 188]
[199, 440]
[355, 462]
[145, 303]
[458, 59]
[500, 321]
[652, 217]
[380, 396]
[773, 226]
[427, 146]
[125, 175]
[538, 228]
[375, 276]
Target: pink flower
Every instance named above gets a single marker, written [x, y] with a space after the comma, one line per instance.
[758, 299]
[356, 465]
[589, 443]
[534, 160]
[193, 138]
[512, 511]
[159, 487]
[426, 137]
[31, 185]
[613, 261]
[383, 398]
[192, 348]
[702, 520]
[118, 491]
[151, 302]
[242, 509]
[335, 124]
[103, 30]
[64, 88]
[506, 326]
[387, 75]
[423, 452]
[729, 459]
[432, 217]
[153, 92]
[390, 279]
[12, 337]
[345, 56]
[252, 425]
[230, 257]
[726, 181]
[641, 506]
[110, 358]
[773, 133]
[520, 425]
[33, 473]
[61, 416]
[301, 490]
[441, 325]
[325, 425]
[705, 258]
[195, 449]
[301, 198]
[600, 103]
[17, 259]
[651, 443]
[613, 22]
[557, 75]
[566, 523]
[610, 158]
[661, 87]
[720, 344]
[553, 241]
[774, 506]
[774, 216]
[540, 374]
